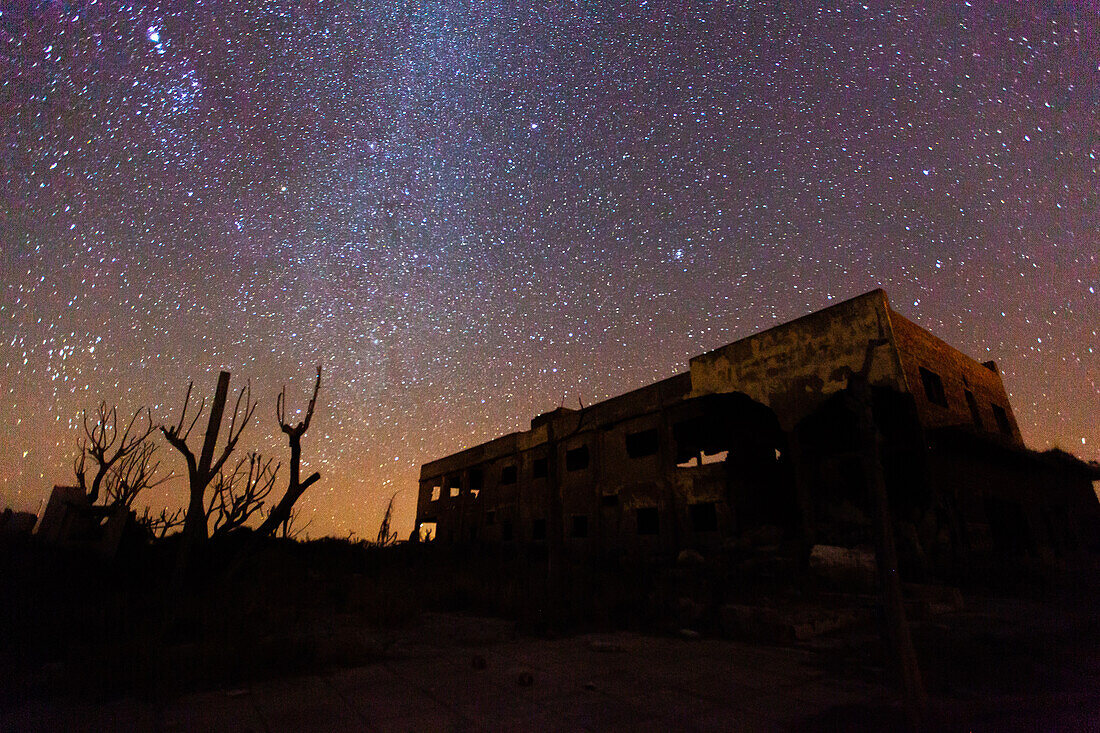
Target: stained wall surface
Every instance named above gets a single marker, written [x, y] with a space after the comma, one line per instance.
[959, 375]
[622, 475]
[794, 367]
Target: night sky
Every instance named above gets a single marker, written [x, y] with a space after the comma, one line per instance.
[468, 212]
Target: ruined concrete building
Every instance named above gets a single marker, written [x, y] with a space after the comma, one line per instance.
[761, 434]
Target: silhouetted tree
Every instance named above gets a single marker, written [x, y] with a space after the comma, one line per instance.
[237, 495]
[202, 470]
[131, 475]
[290, 528]
[159, 526]
[295, 487]
[385, 536]
[108, 450]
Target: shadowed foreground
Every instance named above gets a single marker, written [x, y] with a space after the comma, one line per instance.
[467, 673]
[338, 636]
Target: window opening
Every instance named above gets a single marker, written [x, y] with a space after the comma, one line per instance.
[540, 468]
[702, 459]
[577, 459]
[975, 414]
[933, 387]
[714, 457]
[508, 475]
[538, 528]
[649, 521]
[643, 443]
[704, 517]
[579, 526]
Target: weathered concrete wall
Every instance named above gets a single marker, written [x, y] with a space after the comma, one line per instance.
[794, 367]
[504, 509]
[1044, 505]
[959, 373]
[501, 490]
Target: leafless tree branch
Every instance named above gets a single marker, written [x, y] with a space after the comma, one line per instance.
[131, 475]
[288, 528]
[236, 429]
[105, 446]
[236, 496]
[201, 470]
[385, 537]
[295, 486]
[161, 525]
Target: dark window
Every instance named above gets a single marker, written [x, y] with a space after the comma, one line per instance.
[649, 521]
[688, 441]
[473, 533]
[933, 387]
[579, 526]
[704, 517]
[1001, 417]
[975, 415]
[644, 443]
[490, 517]
[506, 530]
[540, 468]
[508, 475]
[477, 479]
[454, 485]
[609, 500]
[538, 529]
[576, 459]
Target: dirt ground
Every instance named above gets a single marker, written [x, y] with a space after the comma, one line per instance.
[332, 637]
[986, 668]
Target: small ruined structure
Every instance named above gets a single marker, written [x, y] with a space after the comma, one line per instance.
[760, 440]
[71, 520]
[17, 524]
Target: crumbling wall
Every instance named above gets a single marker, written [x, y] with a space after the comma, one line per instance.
[972, 393]
[757, 436]
[794, 367]
[1014, 503]
[447, 498]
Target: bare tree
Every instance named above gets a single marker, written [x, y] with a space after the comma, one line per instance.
[237, 495]
[385, 537]
[295, 487]
[131, 475]
[105, 446]
[161, 525]
[289, 529]
[201, 470]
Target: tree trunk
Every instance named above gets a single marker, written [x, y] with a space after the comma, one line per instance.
[899, 642]
[294, 490]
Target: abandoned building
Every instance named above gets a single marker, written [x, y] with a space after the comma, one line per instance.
[762, 435]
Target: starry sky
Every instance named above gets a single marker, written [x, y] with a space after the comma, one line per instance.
[470, 211]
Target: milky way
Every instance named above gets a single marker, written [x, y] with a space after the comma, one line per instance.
[468, 212]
